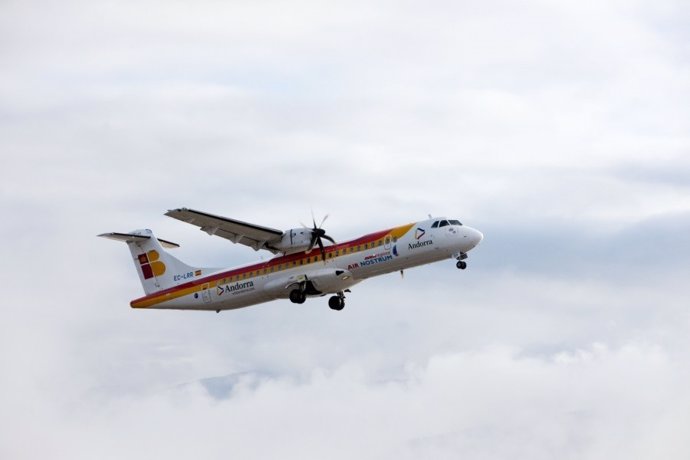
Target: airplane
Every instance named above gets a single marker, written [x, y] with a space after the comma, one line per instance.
[304, 266]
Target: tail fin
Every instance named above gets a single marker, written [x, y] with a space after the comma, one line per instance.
[157, 269]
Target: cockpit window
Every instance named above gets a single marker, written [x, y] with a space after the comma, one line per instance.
[434, 225]
[443, 223]
[455, 222]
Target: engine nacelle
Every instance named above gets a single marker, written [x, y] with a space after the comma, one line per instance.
[294, 240]
[329, 280]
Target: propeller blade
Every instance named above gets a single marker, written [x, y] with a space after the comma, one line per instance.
[323, 251]
[326, 237]
[324, 220]
[312, 242]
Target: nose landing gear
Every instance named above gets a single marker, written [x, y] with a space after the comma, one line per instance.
[461, 261]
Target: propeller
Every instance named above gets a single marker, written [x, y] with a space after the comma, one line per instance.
[317, 235]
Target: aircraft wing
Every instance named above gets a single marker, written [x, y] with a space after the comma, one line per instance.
[254, 236]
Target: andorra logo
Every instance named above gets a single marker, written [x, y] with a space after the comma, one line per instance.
[419, 233]
[150, 265]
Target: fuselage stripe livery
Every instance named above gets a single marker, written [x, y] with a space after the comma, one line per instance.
[245, 274]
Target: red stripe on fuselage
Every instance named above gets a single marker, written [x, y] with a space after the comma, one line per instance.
[271, 263]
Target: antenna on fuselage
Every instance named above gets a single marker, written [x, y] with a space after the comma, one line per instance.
[430, 216]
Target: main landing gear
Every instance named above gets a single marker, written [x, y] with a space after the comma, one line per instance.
[461, 261]
[297, 296]
[337, 302]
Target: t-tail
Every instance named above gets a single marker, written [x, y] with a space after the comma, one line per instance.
[157, 269]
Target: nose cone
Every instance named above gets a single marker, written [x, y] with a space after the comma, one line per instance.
[474, 237]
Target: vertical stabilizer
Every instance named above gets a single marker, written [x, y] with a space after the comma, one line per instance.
[157, 269]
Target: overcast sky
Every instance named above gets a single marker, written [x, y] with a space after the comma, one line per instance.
[561, 129]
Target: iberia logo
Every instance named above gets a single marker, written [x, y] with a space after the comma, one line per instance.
[150, 265]
[419, 233]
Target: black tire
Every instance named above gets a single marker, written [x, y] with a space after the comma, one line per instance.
[461, 265]
[296, 296]
[336, 303]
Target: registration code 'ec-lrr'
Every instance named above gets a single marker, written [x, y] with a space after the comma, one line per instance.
[183, 276]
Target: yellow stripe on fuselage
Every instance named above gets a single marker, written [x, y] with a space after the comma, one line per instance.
[273, 266]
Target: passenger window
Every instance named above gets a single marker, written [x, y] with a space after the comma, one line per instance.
[443, 223]
[434, 225]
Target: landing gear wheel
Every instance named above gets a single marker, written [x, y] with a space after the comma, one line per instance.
[297, 296]
[461, 264]
[336, 303]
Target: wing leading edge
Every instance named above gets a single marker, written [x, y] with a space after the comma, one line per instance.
[254, 236]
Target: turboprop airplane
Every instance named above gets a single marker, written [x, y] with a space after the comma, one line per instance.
[298, 270]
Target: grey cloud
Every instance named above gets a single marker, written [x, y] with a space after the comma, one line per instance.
[558, 130]
[488, 403]
[676, 174]
[655, 245]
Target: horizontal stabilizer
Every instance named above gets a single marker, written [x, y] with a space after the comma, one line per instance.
[130, 237]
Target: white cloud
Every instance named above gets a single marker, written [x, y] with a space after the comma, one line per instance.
[589, 403]
[558, 128]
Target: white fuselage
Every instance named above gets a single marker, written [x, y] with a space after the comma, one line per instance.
[344, 265]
